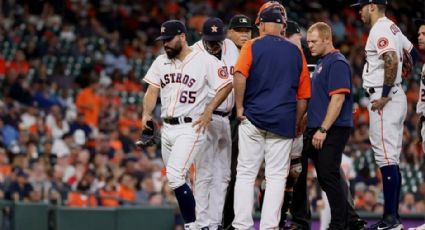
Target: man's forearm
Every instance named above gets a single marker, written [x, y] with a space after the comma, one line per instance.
[149, 101]
[390, 67]
[334, 109]
[239, 83]
[219, 97]
[301, 109]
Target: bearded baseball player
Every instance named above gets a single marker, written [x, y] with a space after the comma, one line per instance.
[213, 166]
[183, 78]
[388, 105]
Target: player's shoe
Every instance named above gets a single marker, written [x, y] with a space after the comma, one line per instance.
[422, 227]
[387, 223]
[358, 224]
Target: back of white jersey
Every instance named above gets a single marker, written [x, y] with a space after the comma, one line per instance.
[229, 56]
[184, 85]
[420, 107]
[384, 36]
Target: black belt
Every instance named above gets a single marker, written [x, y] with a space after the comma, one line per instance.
[220, 113]
[177, 120]
[372, 90]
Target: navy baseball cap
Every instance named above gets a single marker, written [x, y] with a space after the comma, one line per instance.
[171, 28]
[240, 21]
[271, 15]
[292, 27]
[361, 3]
[213, 30]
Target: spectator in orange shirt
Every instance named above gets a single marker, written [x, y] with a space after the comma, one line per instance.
[126, 190]
[109, 196]
[132, 84]
[82, 197]
[19, 63]
[130, 118]
[89, 102]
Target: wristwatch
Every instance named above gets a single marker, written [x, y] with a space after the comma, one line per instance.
[323, 130]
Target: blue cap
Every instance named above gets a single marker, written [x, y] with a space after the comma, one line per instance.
[365, 2]
[171, 28]
[213, 30]
[271, 15]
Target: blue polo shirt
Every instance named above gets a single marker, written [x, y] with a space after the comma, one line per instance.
[331, 76]
[276, 76]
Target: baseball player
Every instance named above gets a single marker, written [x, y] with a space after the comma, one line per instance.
[421, 101]
[183, 77]
[270, 80]
[239, 32]
[420, 108]
[382, 81]
[213, 166]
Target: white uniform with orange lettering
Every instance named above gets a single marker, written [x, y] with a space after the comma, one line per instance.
[213, 166]
[386, 126]
[184, 90]
[420, 107]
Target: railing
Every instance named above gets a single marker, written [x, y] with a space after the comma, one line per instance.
[39, 216]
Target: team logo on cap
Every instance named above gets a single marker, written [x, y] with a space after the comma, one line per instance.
[162, 29]
[382, 43]
[214, 29]
[243, 20]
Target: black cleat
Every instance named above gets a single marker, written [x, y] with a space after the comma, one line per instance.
[387, 223]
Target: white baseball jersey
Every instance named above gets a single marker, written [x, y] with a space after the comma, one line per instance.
[183, 83]
[420, 108]
[229, 56]
[384, 36]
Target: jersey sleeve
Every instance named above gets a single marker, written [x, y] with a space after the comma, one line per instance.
[304, 86]
[153, 76]
[243, 65]
[407, 45]
[217, 74]
[384, 38]
[339, 78]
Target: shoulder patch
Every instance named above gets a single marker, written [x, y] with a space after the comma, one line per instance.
[382, 43]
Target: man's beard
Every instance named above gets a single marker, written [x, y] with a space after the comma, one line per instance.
[173, 52]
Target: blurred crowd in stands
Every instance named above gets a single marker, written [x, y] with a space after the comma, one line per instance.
[71, 94]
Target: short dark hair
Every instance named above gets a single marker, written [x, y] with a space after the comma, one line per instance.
[381, 8]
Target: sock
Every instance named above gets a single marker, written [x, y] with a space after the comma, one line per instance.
[390, 184]
[398, 191]
[186, 203]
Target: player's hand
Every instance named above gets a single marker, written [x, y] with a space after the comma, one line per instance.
[380, 103]
[239, 114]
[318, 139]
[202, 123]
[145, 119]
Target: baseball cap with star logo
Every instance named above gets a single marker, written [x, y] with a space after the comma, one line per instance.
[213, 30]
[171, 28]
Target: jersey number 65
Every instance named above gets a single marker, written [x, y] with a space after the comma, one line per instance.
[188, 97]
